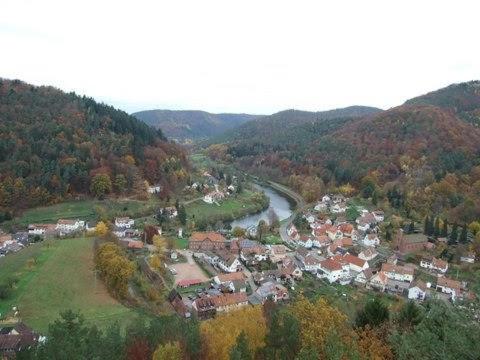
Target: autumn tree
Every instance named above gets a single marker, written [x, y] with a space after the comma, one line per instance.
[238, 232]
[373, 345]
[101, 228]
[474, 227]
[262, 230]
[219, 335]
[168, 351]
[101, 185]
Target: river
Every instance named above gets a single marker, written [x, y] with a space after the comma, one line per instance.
[279, 203]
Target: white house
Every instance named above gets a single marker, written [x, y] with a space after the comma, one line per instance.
[338, 208]
[434, 264]
[363, 277]
[311, 263]
[417, 291]
[449, 286]
[378, 215]
[326, 199]
[398, 272]
[331, 270]
[229, 263]
[36, 229]
[305, 241]
[321, 206]
[378, 281]
[355, 263]
[371, 240]
[155, 189]
[68, 226]
[334, 233]
[124, 222]
[363, 226]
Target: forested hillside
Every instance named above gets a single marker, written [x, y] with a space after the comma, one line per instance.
[187, 126]
[55, 145]
[422, 155]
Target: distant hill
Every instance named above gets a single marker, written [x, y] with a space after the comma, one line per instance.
[423, 155]
[52, 144]
[192, 125]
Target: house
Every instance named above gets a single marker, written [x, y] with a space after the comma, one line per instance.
[289, 269]
[469, 258]
[269, 290]
[398, 272]
[203, 241]
[326, 199]
[433, 263]
[255, 254]
[365, 222]
[169, 211]
[363, 277]
[176, 300]
[277, 252]
[321, 206]
[14, 338]
[331, 270]
[397, 287]
[338, 208]
[321, 241]
[346, 229]
[65, 226]
[135, 245]
[379, 215]
[233, 281]
[368, 254]
[408, 243]
[305, 241]
[355, 263]
[207, 306]
[363, 226]
[154, 189]
[45, 230]
[371, 240]
[449, 286]
[189, 282]
[229, 262]
[378, 281]
[124, 222]
[311, 263]
[214, 196]
[333, 233]
[292, 232]
[417, 290]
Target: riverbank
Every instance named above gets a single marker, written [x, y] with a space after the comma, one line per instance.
[238, 206]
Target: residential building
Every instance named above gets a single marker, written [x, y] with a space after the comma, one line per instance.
[371, 240]
[331, 270]
[65, 226]
[378, 281]
[368, 254]
[363, 277]
[269, 290]
[433, 263]
[398, 272]
[450, 287]
[124, 222]
[355, 263]
[202, 241]
[229, 262]
[417, 290]
[408, 243]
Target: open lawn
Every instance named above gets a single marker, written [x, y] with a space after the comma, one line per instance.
[85, 210]
[61, 277]
[231, 208]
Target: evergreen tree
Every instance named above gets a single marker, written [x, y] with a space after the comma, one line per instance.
[445, 229]
[411, 227]
[464, 235]
[374, 313]
[426, 225]
[240, 350]
[410, 315]
[182, 215]
[453, 235]
[436, 228]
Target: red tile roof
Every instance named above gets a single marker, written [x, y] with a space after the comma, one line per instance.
[202, 236]
[331, 265]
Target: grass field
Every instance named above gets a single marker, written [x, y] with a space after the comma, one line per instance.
[85, 210]
[229, 209]
[61, 277]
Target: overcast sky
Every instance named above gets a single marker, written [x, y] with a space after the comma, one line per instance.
[241, 56]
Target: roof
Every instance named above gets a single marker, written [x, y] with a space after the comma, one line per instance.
[211, 235]
[278, 249]
[381, 276]
[135, 244]
[420, 284]
[346, 241]
[398, 269]
[346, 228]
[235, 276]
[439, 263]
[450, 283]
[122, 219]
[229, 299]
[367, 273]
[189, 282]
[66, 222]
[354, 260]
[331, 265]
[369, 252]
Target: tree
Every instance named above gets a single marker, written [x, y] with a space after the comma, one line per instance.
[445, 229]
[262, 229]
[101, 185]
[411, 228]
[120, 183]
[149, 231]
[238, 232]
[160, 243]
[410, 315]
[436, 230]
[182, 215]
[168, 351]
[452, 240]
[283, 339]
[241, 351]
[374, 313]
[101, 229]
[352, 213]
[273, 220]
[372, 344]
[220, 334]
[474, 227]
[138, 349]
[463, 235]
[155, 262]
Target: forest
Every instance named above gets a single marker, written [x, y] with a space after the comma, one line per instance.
[55, 146]
[426, 151]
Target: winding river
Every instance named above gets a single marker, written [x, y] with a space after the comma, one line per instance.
[278, 202]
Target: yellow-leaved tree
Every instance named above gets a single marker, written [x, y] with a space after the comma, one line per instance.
[317, 320]
[168, 351]
[160, 243]
[220, 334]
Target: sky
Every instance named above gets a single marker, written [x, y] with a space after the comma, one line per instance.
[243, 56]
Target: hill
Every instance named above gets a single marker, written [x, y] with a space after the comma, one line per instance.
[422, 155]
[52, 144]
[191, 125]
